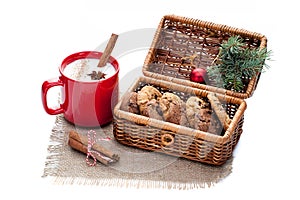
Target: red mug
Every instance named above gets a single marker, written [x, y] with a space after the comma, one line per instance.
[85, 103]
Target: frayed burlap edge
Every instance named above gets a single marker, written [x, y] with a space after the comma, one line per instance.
[55, 147]
[125, 183]
[58, 139]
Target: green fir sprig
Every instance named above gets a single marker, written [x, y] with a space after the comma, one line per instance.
[236, 63]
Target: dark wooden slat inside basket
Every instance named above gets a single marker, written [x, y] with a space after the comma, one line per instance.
[178, 38]
[147, 133]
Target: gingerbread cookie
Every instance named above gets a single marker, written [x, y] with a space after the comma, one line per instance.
[146, 94]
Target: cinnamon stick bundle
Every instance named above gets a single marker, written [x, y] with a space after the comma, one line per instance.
[80, 143]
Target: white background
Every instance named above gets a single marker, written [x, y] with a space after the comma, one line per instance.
[36, 36]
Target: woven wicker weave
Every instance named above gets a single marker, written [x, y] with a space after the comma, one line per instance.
[182, 44]
[160, 136]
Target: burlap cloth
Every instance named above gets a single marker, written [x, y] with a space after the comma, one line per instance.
[136, 168]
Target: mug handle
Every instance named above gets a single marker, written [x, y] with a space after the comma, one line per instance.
[45, 87]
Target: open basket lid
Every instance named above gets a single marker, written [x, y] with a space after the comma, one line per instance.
[182, 44]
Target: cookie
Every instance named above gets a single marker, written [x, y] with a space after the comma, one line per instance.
[172, 108]
[193, 107]
[183, 119]
[146, 94]
[152, 110]
[215, 126]
[200, 116]
[130, 103]
[219, 110]
[203, 119]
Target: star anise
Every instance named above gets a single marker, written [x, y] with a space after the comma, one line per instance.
[97, 75]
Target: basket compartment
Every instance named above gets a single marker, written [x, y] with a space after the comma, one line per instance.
[182, 44]
[155, 135]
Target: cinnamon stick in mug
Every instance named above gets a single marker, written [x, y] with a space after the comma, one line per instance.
[110, 45]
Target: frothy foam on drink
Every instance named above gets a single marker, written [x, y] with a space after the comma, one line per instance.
[82, 69]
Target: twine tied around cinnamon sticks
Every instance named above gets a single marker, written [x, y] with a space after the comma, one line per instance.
[88, 145]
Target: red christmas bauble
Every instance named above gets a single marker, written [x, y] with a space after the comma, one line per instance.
[199, 75]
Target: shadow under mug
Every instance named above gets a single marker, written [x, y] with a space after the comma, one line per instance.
[84, 103]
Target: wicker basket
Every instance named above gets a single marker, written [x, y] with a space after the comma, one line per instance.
[160, 136]
[182, 44]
